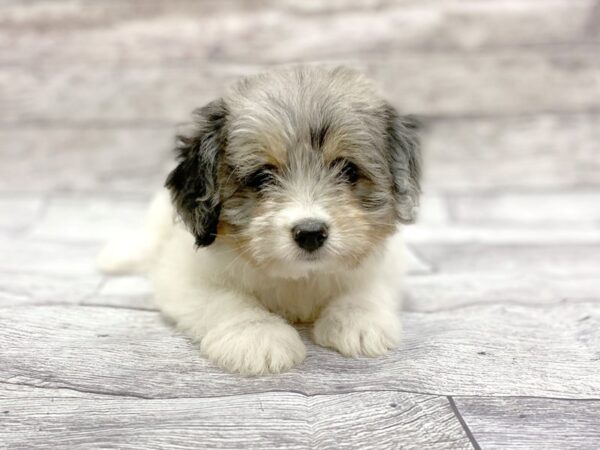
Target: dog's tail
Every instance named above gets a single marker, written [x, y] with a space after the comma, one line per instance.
[134, 253]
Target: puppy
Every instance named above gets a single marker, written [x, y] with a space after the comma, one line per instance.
[284, 207]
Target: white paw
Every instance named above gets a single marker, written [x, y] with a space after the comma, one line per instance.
[254, 348]
[357, 332]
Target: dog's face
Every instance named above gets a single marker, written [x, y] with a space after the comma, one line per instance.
[298, 171]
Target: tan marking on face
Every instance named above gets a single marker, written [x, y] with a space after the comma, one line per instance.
[275, 156]
[238, 239]
[224, 229]
[351, 219]
[335, 146]
[260, 148]
[238, 242]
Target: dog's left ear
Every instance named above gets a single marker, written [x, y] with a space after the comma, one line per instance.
[194, 183]
[405, 161]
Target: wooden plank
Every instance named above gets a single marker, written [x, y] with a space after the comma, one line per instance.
[432, 422]
[481, 350]
[24, 286]
[100, 159]
[85, 95]
[131, 291]
[46, 272]
[531, 423]
[441, 291]
[498, 234]
[512, 153]
[18, 213]
[498, 265]
[77, 218]
[512, 82]
[116, 33]
[271, 420]
[47, 257]
[54, 257]
[556, 260]
[577, 209]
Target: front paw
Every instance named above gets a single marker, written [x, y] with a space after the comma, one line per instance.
[356, 332]
[254, 348]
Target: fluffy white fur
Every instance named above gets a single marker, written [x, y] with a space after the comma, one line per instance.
[241, 316]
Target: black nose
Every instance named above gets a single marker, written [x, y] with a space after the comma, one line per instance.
[310, 234]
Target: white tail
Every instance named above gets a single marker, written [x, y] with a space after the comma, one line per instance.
[133, 252]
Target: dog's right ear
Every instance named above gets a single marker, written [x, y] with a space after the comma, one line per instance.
[194, 183]
[405, 161]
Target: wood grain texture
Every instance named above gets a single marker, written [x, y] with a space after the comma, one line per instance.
[502, 310]
[17, 213]
[131, 291]
[440, 291]
[272, 32]
[532, 423]
[551, 260]
[117, 159]
[513, 82]
[20, 285]
[462, 156]
[498, 234]
[480, 350]
[577, 209]
[47, 257]
[85, 218]
[46, 418]
[118, 33]
[46, 272]
[496, 154]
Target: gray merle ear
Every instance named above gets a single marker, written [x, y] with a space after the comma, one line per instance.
[405, 162]
[194, 183]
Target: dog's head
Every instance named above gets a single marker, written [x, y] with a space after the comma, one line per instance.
[298, 170]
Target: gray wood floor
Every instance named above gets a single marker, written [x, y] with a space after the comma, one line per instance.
[501, 343]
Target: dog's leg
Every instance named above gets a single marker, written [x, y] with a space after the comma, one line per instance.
[235, 331]
[363, 322]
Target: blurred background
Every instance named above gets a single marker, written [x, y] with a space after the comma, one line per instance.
[91, 93]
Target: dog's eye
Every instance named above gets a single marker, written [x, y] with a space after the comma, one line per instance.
[261, 178]
[348, 171]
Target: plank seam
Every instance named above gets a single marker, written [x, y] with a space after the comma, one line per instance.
[464, 425]
[297, 392]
